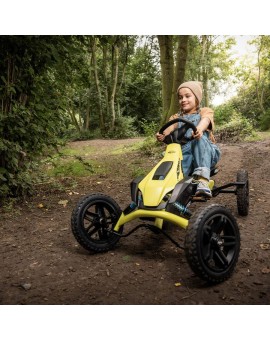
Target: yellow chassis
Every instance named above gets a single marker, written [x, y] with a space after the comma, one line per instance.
[159, 216]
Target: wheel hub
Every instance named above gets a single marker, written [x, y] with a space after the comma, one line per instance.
[216, 240]
[102, 221]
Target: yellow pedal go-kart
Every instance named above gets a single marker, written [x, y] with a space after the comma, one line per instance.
[212, 239]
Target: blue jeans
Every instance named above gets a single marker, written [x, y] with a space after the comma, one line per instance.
[199, 156]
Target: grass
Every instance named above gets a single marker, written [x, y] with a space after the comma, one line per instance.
[73, 168]
[84, 151]
[258, 136]
[120, 149]
[263, 135]
[71, 162]
[77, 162]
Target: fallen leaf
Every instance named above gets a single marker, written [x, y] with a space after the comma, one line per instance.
[63, 203]
[266, 270]
[177, 284]
[265, 246]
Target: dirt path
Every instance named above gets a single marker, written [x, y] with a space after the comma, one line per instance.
[43, 264]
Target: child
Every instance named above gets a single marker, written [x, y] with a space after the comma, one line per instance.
[201, 153]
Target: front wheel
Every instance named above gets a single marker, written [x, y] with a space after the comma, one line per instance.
[92, 222]
[212, 243]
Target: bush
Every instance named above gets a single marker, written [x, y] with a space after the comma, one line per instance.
[149, 128]
[124, 128]
[75, 135]
[26, 135]
[265, 121]
[224, 113]
[237, 129]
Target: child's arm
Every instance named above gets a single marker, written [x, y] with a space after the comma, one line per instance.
[201, 127]
[166, 132]
[206, 122]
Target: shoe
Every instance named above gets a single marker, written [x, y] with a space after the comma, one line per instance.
[202, 189]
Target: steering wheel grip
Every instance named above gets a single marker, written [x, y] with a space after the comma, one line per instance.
[177, 120]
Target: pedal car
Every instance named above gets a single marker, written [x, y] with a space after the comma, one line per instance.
[212, 239]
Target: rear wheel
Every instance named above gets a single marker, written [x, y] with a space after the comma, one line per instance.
[92, 222]
[212, 243]
[242, 193]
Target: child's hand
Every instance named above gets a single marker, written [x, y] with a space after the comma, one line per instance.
[160, 137]
[198, 134]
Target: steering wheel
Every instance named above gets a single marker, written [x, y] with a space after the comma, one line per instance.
[178, 134]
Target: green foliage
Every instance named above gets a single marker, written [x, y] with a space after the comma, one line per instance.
[152, 147]
[138, 171]
[72, 168]
[224, 113]
[209, 61]
[253, 97]
[237, 129]
[265, 120]
[142, 95]
[75, 135]
[149, 128]
[31, 115]
[124, 128]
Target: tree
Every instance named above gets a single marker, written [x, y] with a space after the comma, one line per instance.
[209, 61]
[261, 79]
[253, 97]
[172, 71]
[142, 88]
[32, 106]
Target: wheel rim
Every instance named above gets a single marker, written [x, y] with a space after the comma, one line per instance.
[219, 243]
[98, 220]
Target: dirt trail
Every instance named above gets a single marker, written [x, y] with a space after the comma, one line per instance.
[43, 264]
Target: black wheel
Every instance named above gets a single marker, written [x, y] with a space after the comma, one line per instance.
[242, 193]
[212, 243]
[92, 220]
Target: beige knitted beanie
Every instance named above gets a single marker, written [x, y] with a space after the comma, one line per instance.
[195, 86]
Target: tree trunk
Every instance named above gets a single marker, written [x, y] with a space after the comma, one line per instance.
[105, 75]
[179, 72]
[101, 114]
[114, 83]
[259, 82]
[167, 70]
[87, 113]
[204, 65]
[74, 120]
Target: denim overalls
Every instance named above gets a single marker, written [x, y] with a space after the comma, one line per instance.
[199, 155]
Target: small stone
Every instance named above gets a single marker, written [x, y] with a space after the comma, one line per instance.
[26, 286]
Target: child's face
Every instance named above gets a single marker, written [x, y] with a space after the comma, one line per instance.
[187, 100]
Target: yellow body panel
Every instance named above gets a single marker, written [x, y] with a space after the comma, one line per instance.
[159, 214]
[154, 190]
